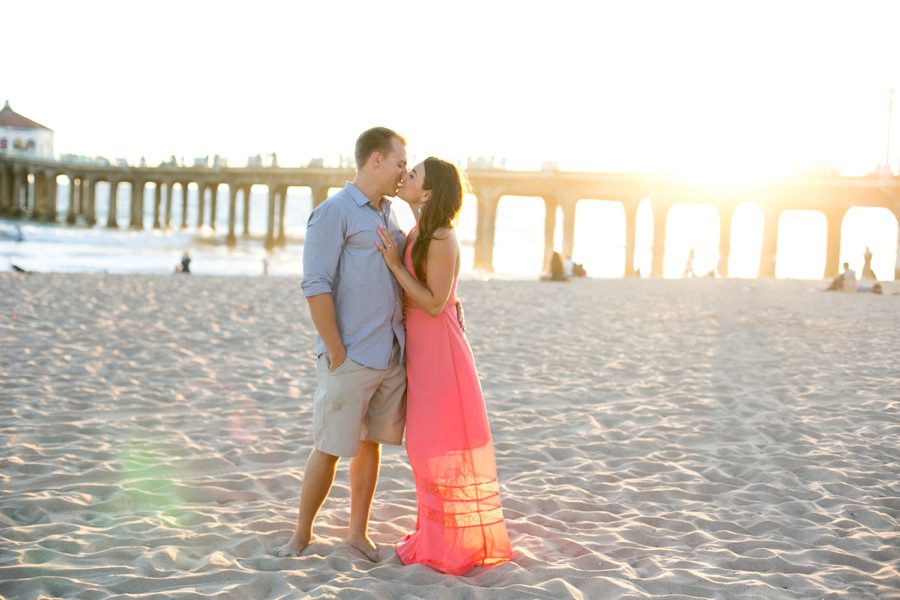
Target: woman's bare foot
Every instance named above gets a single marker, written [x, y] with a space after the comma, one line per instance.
[366, 546]
[294, 547]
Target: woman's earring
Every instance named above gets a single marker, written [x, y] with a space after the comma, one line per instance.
[420, 209]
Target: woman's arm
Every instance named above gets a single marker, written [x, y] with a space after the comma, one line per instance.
[440, 266]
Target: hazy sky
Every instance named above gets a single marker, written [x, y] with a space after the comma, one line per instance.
[718, 87]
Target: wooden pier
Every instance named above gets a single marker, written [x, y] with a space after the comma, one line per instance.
[28, 189]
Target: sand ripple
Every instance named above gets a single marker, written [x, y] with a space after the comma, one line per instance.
[702, 439]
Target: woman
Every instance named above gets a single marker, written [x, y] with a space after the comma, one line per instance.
[459, 523]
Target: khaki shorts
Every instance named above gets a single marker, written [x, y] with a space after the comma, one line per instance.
[356, 403]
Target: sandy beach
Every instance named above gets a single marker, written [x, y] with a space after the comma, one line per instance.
[655, 439]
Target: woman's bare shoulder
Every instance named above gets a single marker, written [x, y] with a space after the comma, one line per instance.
[444, 241]
[444, 234]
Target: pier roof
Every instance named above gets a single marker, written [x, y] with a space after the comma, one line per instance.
[10, 118]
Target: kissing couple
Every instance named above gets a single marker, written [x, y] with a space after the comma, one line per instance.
[392, 354]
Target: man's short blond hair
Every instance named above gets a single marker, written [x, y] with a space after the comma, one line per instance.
[377, 139]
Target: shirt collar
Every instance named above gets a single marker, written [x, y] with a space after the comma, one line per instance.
[360, 198]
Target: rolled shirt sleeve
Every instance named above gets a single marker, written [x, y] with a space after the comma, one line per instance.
[325, 232]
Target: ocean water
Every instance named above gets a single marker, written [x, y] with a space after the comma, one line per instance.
[57, 247]
[518, 247]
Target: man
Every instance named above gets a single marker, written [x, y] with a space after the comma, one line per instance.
[849, 278]
[845, 281]
[356, 306]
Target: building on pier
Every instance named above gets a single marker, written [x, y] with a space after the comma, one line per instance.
[19, 135]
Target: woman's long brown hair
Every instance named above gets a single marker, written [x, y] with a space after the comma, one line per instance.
[445, 183]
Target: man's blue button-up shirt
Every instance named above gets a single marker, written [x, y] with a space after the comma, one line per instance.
[340, 258]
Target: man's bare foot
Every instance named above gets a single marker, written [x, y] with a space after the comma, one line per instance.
[293, 548]
[366, 546]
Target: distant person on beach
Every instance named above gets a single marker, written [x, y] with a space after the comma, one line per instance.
[573, 269]
[849, 279]
[578, 270]
[459, 523]
[874, 288]
[185, 266]
[557, 269]
[843, 282]
[867, 272]
[689, 267]
[356, 307]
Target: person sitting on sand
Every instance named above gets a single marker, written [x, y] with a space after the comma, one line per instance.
[845, 281]
[557, 269]
[875, 288]
[573, 269]
[849, 277]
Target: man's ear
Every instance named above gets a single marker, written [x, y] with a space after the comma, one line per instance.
[377, 159]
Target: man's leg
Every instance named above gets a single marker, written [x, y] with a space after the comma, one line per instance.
[317, 480]
[363, 479]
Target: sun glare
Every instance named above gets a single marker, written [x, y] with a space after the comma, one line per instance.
[802, 242]
[746, 241]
